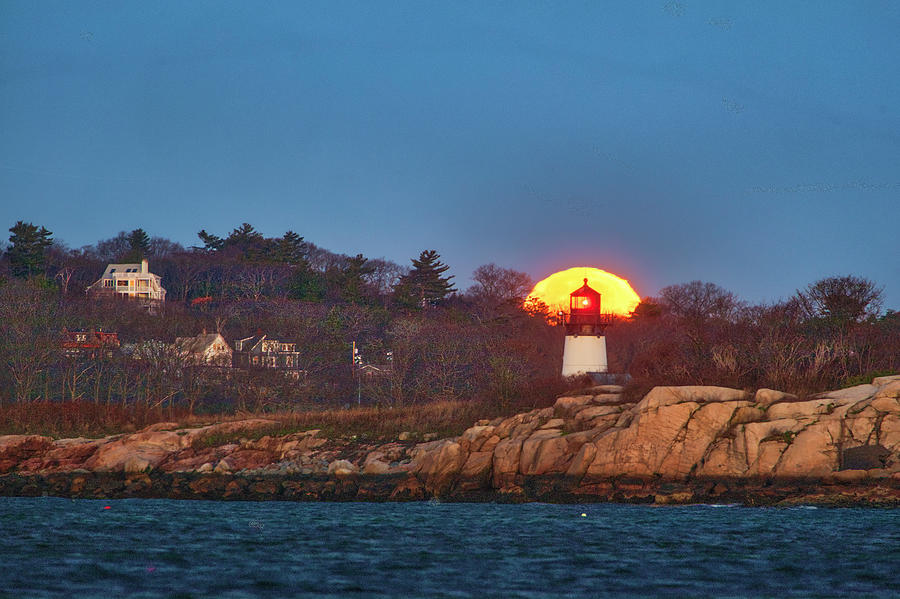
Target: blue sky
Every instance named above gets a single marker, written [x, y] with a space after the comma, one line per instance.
[754, 145]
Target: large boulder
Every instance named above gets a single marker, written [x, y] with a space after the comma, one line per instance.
[850, 394]
[640, 449]
[342, 468]
[880, 381]
[505, 462]
[659, 397]
[64, 455]
[148, 448]
[766, 397]
[474, 437]
[375, 464]
[438, 468]
[18, 448]
[806, 409]
[567, 407]
[476, 472]
[544, 452]
[811, 452]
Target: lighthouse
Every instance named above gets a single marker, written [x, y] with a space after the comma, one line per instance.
[585, 349]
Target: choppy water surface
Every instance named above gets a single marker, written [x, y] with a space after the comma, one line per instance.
[158, 548]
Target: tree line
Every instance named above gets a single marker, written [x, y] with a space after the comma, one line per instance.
[830, 334]
[484, 343]
[443, 343]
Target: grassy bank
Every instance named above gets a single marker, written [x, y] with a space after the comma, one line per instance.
[87, 419]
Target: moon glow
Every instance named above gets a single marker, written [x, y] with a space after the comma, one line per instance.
[616, 294]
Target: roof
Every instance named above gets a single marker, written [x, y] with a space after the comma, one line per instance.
[198, 344]
[248, 343]
[585, 290]
[121, 268]
[128, 270]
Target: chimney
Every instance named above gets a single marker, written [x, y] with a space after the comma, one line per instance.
[145, 267]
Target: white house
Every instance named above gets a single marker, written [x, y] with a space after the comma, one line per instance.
[206, 349]
[130, 280]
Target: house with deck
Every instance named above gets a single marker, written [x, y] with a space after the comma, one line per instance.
[131, 281]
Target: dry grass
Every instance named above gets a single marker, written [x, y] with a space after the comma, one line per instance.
[367, 424]
[86, 419]
[61, 419]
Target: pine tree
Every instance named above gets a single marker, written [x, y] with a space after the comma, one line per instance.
[424, 285]
[290, 249]
[306, 285]
[211, 243]
[350, 280]
[139, 246]
[27, 252]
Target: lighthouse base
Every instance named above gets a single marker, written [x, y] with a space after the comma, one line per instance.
[583, 354]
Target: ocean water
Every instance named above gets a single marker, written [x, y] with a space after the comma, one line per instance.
[51, 547]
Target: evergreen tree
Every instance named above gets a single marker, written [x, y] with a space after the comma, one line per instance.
[424, 285]
[139, 246]
[211, 243]
[348, 282]
[306, 285]
[289, 249]
[246, 239]
[27, 252]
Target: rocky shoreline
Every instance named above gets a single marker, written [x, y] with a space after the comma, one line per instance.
[677, 445]
[397, 488]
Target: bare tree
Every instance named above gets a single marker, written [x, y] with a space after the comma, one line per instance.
[700, 301]
[257, 281]
[498, 284]
[28, 342]
[64, 275]
[842, 299]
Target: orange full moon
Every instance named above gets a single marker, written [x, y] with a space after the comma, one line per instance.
[616, 294]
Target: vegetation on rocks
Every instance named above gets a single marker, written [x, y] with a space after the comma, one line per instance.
[675, 445]
[485, 351]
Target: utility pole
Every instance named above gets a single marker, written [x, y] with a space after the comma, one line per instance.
[357, 361]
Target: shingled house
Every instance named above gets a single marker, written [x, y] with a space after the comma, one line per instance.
[261, 352]
[206, 349]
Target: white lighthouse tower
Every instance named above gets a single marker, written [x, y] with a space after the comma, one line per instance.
[585, 349]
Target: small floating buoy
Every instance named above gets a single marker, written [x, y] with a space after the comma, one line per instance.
[107, 507]
[583, 515]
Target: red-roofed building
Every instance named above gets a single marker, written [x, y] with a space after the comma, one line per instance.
[89, 344]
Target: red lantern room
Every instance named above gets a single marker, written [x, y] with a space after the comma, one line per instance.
[584, 316]
[584, 300]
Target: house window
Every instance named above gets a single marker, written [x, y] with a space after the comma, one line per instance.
[108, 283]
[122, 283]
